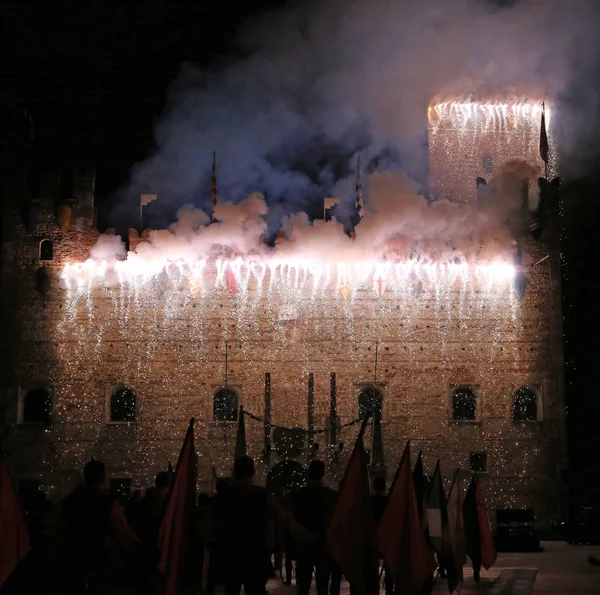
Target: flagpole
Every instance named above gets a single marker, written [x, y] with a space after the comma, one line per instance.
[226, 354]
[545, 162]
[376, 358]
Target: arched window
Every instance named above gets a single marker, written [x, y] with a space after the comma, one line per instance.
[122, 405]
[524, 405]
[225, 405]
[37, 406]
[464, 404]
[46, 250]
[370, 400]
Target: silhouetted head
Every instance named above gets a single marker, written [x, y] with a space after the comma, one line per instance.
[243, 468]
[222, 484]
[94, 474]
[161, 480]
[379, 485]
[203, 500]
[316, 470]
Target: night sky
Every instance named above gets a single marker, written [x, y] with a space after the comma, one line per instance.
[85, 83]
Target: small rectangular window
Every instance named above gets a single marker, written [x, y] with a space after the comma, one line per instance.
[120, 486]
[478, 462]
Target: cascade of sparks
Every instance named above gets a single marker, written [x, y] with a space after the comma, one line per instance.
[175, 315]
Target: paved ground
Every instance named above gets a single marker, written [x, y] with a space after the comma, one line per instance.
[559, 569]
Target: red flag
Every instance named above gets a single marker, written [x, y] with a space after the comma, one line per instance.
[14, 540]
[488, 549]
[231, 282]
[176, 529]
[544, 137]
[478, 533]
[400, 539]
[351, 530]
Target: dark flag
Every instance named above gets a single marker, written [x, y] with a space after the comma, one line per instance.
[544, 137]
[14, 540]
[400, 538]
[351, 529]
[176, 534]
[420, 482]
[439, 528]
[478, 534]
[454, 506]
[214, 193]
[170, 473]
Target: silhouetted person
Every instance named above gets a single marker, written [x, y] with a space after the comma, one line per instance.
[132, 509]
[313, 506]
[246, 521]
[216, 548]
[152, 509]
[379, 501]
[85, 521]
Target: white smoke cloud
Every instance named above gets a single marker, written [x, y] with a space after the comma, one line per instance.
[108, 247]
[325, 81]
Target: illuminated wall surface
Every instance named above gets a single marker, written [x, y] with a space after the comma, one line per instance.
[470, 140]
[82, 330]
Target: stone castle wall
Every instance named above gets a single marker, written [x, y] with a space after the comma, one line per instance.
[167, 344]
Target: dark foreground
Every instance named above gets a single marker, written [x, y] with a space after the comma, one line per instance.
[559, 569]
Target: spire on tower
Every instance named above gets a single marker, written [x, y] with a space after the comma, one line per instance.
[215, 195]
[358, 203]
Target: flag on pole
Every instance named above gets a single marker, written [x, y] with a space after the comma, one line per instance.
[176, 534]
[351, 529]
[214, 194]
[240, 438]
[400, 538]
[14, 540]
[544, 148]
[478, 533]
[358, 203]
[146, 199]
[457, 525]
[439, 528]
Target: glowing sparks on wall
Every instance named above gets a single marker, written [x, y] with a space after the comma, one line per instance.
[294, 276]
[476, 139]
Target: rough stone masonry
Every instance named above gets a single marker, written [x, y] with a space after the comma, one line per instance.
[408, 353]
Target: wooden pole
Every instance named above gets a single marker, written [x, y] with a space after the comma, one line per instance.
[332, 409]
[311, 409]
[267, 424]
[226, 362]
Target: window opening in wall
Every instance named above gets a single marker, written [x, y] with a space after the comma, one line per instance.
[37, 406]
[478, 462]
[524, 405]
[464, 405]
[370, 400]
[225, 405]
[46, 250]
[122, 405]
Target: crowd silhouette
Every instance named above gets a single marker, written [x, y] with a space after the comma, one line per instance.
[170, 543]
